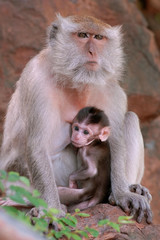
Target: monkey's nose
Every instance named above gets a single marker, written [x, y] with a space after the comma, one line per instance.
[77, 138]
[90, 52]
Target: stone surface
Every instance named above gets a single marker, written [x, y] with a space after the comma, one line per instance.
[151, 133]
[151, 11]
[22, 34]
[130, 231]
[12, 229]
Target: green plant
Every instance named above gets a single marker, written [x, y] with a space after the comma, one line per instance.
[67, 226]
[116, 226]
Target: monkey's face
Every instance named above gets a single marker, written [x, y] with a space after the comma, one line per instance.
[85, 51]
[83, 134]
[91, 46]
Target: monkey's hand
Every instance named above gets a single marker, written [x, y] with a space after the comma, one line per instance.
[38, 212]
[141, 190]
[136, 205]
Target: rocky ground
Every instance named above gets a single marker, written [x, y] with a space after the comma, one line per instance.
[22, 35]
[11, 229]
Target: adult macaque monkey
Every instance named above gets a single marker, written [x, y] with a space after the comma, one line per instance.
[90, 131]
[81, 66]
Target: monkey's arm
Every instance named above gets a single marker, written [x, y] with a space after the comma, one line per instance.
[121, 163]
[88, 171]
[40, 130]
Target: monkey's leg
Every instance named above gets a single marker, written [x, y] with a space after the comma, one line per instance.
[83, 205]
[134, 148]
[135, 162]
[70, 196]
[135, 155]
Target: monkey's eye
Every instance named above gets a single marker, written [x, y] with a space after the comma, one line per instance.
[82, 35]
[76, 128]
[98, 37]
[86, 132]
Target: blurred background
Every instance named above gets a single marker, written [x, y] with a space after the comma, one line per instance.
[22, 35]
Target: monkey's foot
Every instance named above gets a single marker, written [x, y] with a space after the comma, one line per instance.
[73, 184]
[35, 212]
[111, 199]
[136, 205]
[139, 189]
[38, 212]
[64, 209]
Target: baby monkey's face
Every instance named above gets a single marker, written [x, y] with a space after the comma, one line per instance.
[83, 134]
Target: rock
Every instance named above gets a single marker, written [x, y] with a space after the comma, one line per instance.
[130, 231]
[151, 10]
[12, 229]
[151, 133]
[22, 34]
[146, 107]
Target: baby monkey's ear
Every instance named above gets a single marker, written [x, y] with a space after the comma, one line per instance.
[104, 134]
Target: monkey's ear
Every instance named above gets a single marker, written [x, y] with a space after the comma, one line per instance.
[105, 132]
[52, 30]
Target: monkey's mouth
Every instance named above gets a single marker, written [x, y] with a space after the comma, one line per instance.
[92, 65]
[77, 144]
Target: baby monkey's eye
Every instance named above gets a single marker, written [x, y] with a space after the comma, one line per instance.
[86, 132]
[82, 35]
[98, 37]
[76, 128]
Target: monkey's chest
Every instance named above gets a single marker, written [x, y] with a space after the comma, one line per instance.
[71, 108]
[73, 102]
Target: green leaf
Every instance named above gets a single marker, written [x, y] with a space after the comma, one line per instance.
[13, 176]
[36, 193]
[58, 234]
[2, 187]
[103, 222]
[115, 226]
[53, 211]
[92, 231]
[41, 224]
[25, 180]
[11, 210]
[3, 174]
[20, 190]
[66, 233]
[83, 214]
[77, 210]
[82, 233]
[45, 211]
[109, 223]
[17, 198]
[73, 219]
[68, 222]
[37, 202]
[75, 236]
[22, 217]
[125, 219]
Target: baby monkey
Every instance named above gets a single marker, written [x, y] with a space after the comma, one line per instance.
[90, 184]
